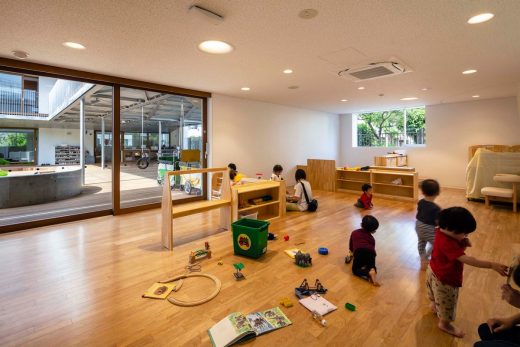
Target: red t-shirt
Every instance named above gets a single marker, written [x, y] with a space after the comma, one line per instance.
[366, 200]
[444, 263]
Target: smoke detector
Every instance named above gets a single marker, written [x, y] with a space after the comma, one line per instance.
[20, 54]
[374, 70]
[308, 13]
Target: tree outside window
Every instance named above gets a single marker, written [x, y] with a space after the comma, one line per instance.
[392, 128]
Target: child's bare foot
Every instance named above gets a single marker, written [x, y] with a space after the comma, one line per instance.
[433, 307]
[450, 329]
[373, 278]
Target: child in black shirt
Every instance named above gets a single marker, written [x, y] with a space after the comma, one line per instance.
[427, 214]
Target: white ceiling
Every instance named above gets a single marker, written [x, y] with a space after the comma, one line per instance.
[156, 41]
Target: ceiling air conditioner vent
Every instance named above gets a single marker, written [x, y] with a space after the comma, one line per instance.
[374, 70]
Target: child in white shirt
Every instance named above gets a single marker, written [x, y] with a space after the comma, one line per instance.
[277, 173]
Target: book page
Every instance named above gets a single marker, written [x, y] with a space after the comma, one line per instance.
[229, 330]
[265, 321]
[317, 303]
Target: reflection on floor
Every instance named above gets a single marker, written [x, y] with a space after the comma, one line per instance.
[138, 187]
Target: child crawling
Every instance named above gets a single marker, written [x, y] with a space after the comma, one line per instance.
[362, 247]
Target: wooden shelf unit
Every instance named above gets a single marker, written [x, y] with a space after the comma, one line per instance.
[268, 210]
[394, 160]
[381, 182]
[66, 155]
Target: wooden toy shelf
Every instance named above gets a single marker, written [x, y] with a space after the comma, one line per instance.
[267, 210]
[388, 183]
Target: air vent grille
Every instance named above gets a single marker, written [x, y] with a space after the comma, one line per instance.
[374, 72]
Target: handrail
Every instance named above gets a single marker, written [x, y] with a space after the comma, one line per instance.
[187, 172]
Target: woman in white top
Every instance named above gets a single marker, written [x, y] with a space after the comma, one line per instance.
[298, 202]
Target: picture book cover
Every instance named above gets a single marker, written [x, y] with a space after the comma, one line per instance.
[317, 303]
[292, 252]
[159, 290]
[237, 327]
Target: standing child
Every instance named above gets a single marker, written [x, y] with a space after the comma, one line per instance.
[277, 173]
[427, 215]
[365, 201]
[444, 275]
[362, 246]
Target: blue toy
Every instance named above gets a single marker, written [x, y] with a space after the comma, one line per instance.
[323, 251]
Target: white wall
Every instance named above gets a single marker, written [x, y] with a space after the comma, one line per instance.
[257, 135]
[45, 85]
[48, 138]
[450, 130]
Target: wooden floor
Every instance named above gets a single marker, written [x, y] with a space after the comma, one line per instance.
[81, 283]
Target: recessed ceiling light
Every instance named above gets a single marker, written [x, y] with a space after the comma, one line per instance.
[361, 88]
[409, 98]
[287, 71]
[245, 89]
[20, 54]
[475, 96]
[480, 18]
[425, 89]
[293, 87]
[215, 47]
[74, 45]
[308, 13]
[469, 72]
[344, 100]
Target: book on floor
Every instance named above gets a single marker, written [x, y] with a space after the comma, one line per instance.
[237, 327]
[317, 303]
[292, 252]
[159, 290]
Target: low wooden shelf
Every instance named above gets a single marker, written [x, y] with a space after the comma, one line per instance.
[268, 210]
[382, 182]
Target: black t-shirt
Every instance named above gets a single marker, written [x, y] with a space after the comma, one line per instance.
[428, 212]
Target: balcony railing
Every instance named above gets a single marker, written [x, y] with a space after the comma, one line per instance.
[412, 137]
[65, 93]
[17, 102]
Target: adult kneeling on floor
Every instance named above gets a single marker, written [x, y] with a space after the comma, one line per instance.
[302, 199]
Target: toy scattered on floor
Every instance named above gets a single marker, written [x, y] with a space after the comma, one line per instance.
[350, 307]
[200, 254]
[286, 302]
[271, 236]
[323, 251]
[319, 318]
[159, 291]
[286, 238]
[292, 252]
[238, 274]
[299, 243]
[302, 259]
[220, 262]
[305, 290]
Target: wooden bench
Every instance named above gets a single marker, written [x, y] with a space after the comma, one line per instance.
[503, 193]
[170, 211]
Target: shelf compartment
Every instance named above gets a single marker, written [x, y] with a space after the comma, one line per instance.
[393, 185]
[254, 207]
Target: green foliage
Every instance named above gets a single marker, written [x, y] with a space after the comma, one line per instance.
[4, 162]
[13, 139]
[3, 173]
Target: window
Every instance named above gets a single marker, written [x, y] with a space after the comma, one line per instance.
[392, 128]
[17, 146]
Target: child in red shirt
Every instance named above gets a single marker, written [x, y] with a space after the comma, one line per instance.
[362, 248]
[444, 274]
[365, 201]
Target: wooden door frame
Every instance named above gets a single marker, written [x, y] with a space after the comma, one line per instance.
[36, 69]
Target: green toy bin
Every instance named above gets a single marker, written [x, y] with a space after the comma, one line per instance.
[250, 237]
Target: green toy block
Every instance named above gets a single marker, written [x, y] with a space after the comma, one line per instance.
[350, 307]
[238, 266]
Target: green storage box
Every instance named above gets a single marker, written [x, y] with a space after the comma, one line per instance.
[250, 237]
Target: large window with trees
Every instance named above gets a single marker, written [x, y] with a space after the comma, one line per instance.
[392, 128]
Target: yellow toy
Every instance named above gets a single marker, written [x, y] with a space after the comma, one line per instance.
[286, 302]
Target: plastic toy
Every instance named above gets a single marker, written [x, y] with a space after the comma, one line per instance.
[286, 238]
[349, 258]
[200, 254]
[302, 259]
[220, 262]
[323, 251]
[319, 318]
[271, 236]
[238, 274]
[350, 307]
[286, 302]
[305, 290]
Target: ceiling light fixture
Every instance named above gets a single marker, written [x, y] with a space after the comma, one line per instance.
[74, 45]
[293, 87]
[469, 72]
[425, 89]
[20, 54]
[481, 18]
[308, 13]
[475, 96]
[287, 71]
[344, 100]
[245, 89]
[215, 47]
[410, 98]
[361, 88]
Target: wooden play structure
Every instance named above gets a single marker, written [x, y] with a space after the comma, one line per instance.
[170, 212]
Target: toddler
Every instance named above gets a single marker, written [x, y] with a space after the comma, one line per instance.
[362, 246]
[277, 173]
[427, 215]
[365, 201]
[444, 274]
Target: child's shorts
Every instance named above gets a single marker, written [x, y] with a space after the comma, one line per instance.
[443, 295]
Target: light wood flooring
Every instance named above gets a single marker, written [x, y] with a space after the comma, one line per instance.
[81, 283]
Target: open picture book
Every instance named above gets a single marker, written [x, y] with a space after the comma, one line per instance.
[237, 327]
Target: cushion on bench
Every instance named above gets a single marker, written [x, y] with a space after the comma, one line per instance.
[499, 192]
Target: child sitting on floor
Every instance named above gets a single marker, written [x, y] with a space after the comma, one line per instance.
[444, 274]
[277, 173]
[365, 201]
[362, 246]
[427, 215]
